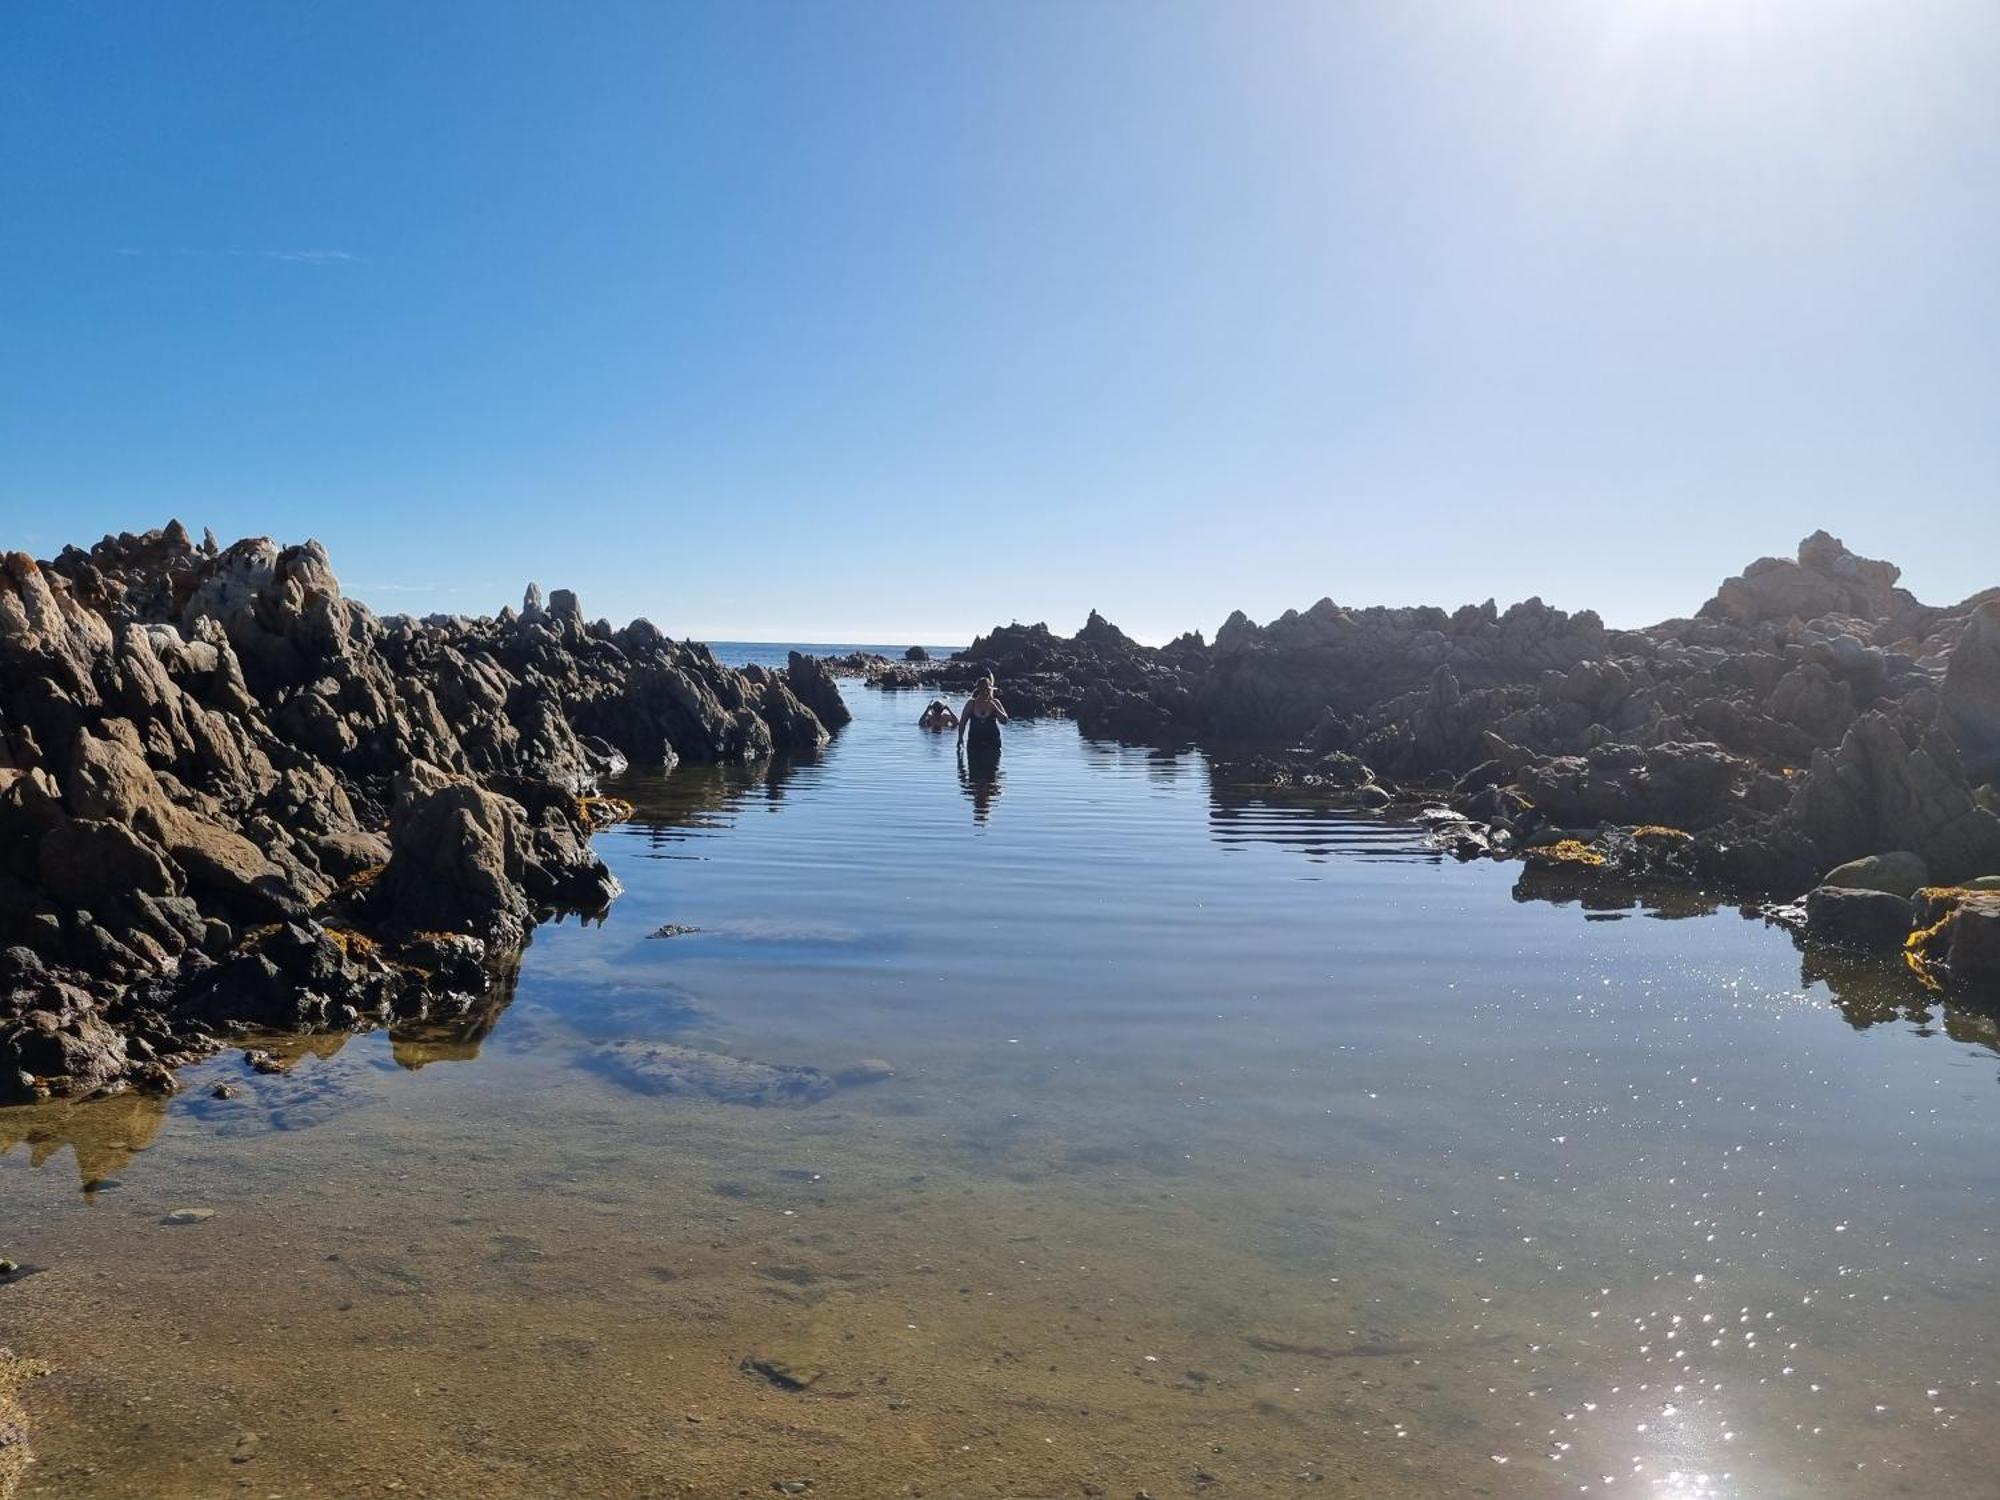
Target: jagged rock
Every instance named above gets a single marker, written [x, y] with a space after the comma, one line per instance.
[1827, 579]
[297, 976]
[213, 764]
[1684, 786]
[1544, 720]
[1809, 699]
[458, 856]
[812, 683]
[1881, 790]
[1971, 693]
[60, 1045]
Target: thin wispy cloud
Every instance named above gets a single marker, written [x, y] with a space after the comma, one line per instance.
[293, 257]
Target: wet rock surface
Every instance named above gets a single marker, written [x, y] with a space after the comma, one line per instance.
[1867, 921]
[1812, 714]
[231, 797]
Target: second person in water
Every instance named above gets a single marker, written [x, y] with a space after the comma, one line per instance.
[981, 721]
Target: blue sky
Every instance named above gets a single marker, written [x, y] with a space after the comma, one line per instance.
[891, 321]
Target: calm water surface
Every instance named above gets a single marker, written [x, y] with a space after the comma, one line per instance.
[1231, 1147]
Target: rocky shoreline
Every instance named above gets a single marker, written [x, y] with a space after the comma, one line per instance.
[233, 800]
[1813, 731]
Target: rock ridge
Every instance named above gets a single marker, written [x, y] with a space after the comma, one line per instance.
[232, 797]
[1812, 713]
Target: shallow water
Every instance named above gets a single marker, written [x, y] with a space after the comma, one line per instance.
[1231, 1145]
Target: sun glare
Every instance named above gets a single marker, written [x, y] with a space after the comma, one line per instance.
[1640, 26]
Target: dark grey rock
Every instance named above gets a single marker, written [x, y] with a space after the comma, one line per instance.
[1868, 921]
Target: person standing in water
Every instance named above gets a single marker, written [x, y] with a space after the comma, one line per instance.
[981, 721]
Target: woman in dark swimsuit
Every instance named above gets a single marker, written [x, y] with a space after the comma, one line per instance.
[981, 720]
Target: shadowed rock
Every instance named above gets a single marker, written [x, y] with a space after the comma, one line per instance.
[1971, 695]
[228, 793]
[1812, 713]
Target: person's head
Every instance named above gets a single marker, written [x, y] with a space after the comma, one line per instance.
[983, 688]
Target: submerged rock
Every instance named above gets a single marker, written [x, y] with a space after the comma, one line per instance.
[865, 1071]
[662, 1068]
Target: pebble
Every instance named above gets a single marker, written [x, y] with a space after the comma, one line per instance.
[189, 1216]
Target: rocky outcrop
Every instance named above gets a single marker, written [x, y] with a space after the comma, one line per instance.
[469, 860]
[813, 684]
[230, 795]
[1957, 944]
[1685, 786]
[1811, 714]
[1825, 579]
[1893, 786]
[1970, 696]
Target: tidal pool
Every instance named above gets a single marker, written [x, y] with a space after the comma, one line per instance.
[1231, 1146]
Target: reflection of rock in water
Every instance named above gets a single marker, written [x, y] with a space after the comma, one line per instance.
[440, 1038]
[658, 1068]
[1603, 896]
[1870, 990]
[314, 1084]
[104, 1133]
[1309, 821]
[1162, 766]
[670, 806]
[418, 1045]
[284, 1053]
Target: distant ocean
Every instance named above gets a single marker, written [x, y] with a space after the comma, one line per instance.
[774, 653]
